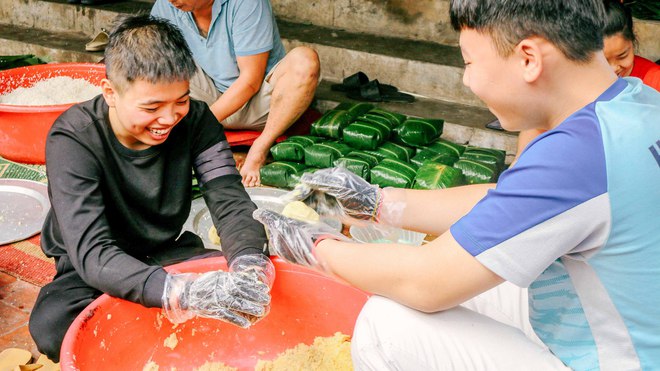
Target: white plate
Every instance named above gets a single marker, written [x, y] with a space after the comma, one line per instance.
[199, 221]
[23, 208]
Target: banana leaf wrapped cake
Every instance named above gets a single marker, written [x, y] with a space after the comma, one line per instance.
[293, 149]
[355, 109]
[281, 174]
[358, 166]
[476, 172]
[393, 173]
[432, 175]
[324, 154]
[418, 132]
[444, 146]
[445, 157]
[488, 155]
[394, 117]
[365, 135]
[392, 150]
[331, 124]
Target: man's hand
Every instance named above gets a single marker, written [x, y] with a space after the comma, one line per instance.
[294, 240]
[240, 296]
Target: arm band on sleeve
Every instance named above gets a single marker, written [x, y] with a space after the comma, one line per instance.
[215, 162]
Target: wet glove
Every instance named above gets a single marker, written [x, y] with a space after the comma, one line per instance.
[355, 197]
[294, 240]
[240, 296]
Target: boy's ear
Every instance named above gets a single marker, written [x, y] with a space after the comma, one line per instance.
[531, 58]
[109, 92]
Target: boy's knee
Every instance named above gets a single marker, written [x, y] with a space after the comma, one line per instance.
[46, 335]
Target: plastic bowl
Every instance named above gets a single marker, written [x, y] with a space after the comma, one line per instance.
[371, 233]
[116, 334]
[23, 129]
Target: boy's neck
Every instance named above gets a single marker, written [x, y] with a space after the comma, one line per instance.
[574, 86]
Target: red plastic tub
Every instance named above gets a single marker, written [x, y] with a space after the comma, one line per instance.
[116, 334]
[23, 129]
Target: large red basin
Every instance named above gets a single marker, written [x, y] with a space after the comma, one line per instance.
[23, 129]
[116, 334]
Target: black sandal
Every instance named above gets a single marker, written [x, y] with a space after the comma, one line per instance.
[373, 91]
[355, 81]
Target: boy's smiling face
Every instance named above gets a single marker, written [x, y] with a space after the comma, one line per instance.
[143, 114]
[493, 78]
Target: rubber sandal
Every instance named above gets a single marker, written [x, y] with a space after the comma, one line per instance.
[374, 92]
[99, 42]
[355, 81]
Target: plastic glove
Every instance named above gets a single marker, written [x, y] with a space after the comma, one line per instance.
[355, 196]
[294, 240]
[240, 296]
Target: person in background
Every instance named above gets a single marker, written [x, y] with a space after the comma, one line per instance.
[575, 220]
[619, 48]
[620, 44]
[244, 73]
[119, 182]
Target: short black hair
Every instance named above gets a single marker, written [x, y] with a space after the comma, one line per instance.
[618, 19]
[573, 26]
[147, 48]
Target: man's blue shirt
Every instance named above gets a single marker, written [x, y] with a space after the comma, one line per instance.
[238, 28]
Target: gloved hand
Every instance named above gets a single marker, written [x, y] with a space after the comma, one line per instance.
[355, 196]
[240, 296]
[294, 240]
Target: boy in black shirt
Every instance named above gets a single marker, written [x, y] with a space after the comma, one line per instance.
[119, 183]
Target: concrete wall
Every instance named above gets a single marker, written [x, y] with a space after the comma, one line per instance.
[426, 20]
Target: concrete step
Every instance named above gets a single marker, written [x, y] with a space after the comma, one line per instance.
[55, 46]
[463, 123]
[420, 67]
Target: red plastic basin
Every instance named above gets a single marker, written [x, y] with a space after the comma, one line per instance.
[23, 129]
[116, 334]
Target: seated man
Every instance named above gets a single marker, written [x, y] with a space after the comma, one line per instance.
[119, 182]
[243, 73]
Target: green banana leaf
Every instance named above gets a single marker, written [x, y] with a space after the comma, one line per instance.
[418, 132]
[432, 175]
[356, 165]
[443, 145]
[476, 172]
[499, 154]
[15, 61]
[305, 140]
[393, 151]
[365, 135]
[394, 117]
[445, 158]
[288, 151]
[281, 174]
[331, 124]
[485, 158]
[376, 119]
[354, 109]
[324, 154]
[393, 173]
[369, 158]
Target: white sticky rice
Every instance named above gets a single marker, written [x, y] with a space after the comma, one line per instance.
[51, 91]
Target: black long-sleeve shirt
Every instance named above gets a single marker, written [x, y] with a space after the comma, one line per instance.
[112, 206]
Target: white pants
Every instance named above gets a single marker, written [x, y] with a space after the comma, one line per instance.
[489, 332]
